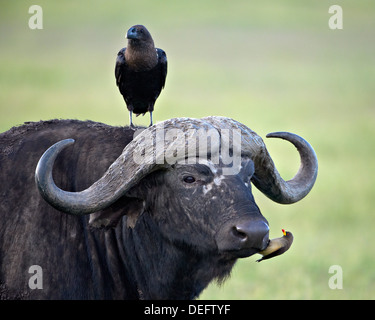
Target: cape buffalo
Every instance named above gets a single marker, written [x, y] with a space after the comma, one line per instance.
[157, 216]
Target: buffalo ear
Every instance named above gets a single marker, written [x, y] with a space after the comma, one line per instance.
[132, 204]
[109, 218]
[135, 209]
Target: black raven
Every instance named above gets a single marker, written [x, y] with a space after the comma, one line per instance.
[140, 72]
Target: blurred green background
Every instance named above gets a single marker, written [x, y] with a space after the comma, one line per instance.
[272, 65]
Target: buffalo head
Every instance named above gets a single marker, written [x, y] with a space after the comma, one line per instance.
[196, 193]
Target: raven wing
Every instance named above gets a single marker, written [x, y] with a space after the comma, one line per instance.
[162, 60]
[120, 67]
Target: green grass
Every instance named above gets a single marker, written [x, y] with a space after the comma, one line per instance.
[271, 65]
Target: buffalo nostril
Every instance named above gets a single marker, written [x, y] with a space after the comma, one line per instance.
[252, 234]
[245, 237]
[238, 233]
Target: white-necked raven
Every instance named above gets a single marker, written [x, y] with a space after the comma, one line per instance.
[140, 72]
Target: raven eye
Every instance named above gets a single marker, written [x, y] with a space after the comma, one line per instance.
[189, 179]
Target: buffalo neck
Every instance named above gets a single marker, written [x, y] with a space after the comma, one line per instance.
[161, 269]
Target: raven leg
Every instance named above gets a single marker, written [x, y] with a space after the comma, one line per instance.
[131, 120]
[150, 119]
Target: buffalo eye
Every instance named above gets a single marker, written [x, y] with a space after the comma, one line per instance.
[189, 179]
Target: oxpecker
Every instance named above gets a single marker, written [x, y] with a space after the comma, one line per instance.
[277, 246]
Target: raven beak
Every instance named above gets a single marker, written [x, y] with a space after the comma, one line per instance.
[132, 33]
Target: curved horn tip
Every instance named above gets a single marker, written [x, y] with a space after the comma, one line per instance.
[60, 145]
[43, 171]
[54, 149]
[66, 142]
[283, 135]
[297, 141]
[297, 188]
[291, 137]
